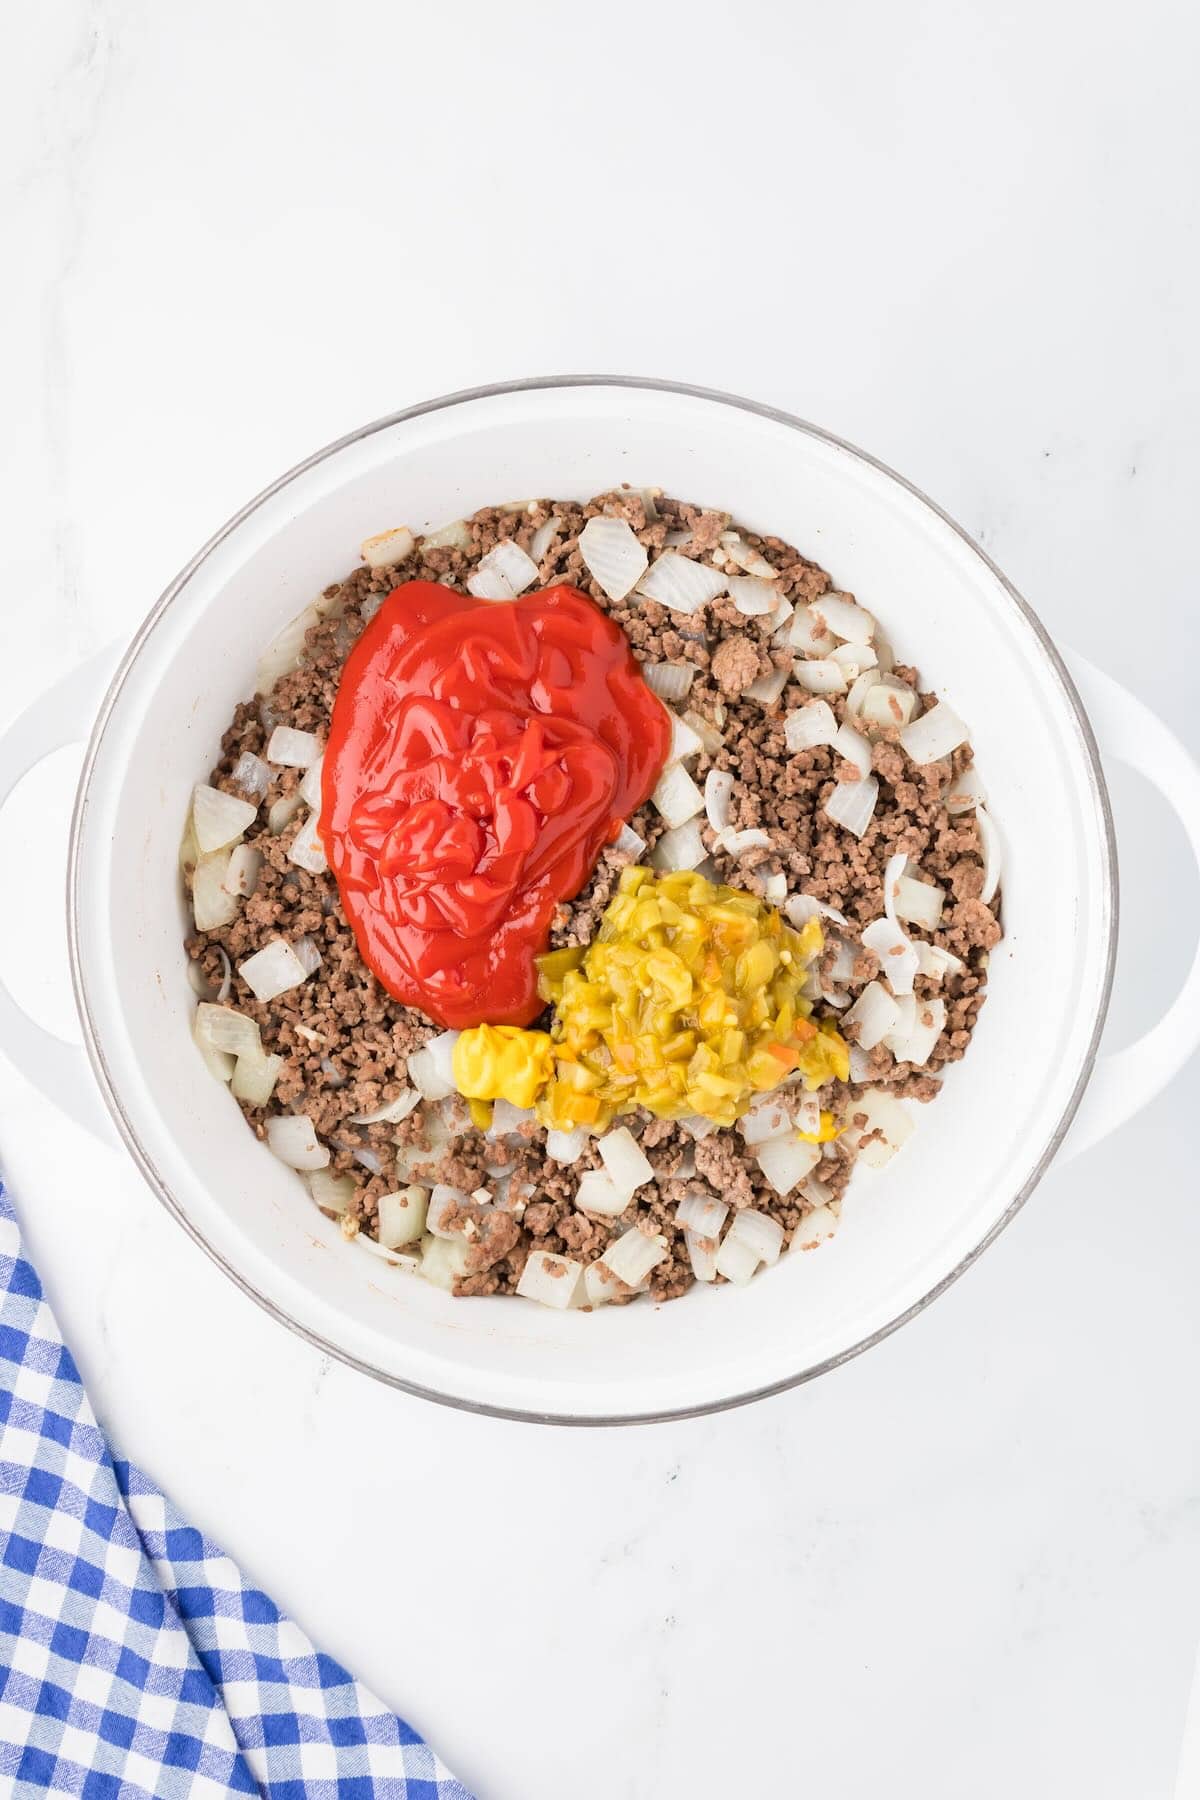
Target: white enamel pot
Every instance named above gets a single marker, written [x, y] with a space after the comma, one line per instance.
[907, 1231]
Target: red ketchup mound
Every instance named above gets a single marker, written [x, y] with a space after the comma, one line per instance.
[481, 755]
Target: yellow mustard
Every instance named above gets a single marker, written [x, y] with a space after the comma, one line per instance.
[690, 1000]
[502, 1062]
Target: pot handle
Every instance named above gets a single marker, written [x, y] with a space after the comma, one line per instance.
[1124, 1081]
[62, 715]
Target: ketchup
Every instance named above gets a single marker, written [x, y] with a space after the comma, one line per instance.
[480, 756]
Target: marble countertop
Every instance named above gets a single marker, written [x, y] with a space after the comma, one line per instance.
[967, 1564]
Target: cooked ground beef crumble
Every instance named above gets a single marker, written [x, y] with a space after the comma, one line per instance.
[345, 1041]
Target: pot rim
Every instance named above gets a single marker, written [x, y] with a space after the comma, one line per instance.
[161, 1187]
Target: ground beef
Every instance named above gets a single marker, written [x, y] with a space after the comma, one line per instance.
[735, 664]
[344, 1042]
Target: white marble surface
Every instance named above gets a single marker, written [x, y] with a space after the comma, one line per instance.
[969, 1563]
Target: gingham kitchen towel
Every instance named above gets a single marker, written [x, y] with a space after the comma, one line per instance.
[134, 1659]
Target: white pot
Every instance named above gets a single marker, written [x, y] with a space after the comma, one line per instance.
[908, 1230]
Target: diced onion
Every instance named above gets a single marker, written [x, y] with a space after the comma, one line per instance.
[802, 907]
[219, 1063]
[503, 573]
[852, 804]
[285, 651]
[395, 1259]
[709, 736]
[455, 536]
[670, 681]
[222, 1028]
[934, 735]
[444, 1260]
[932, 960]
[507, 1120]
[431, 1069]
[844, 958]
[892, 874]
[293, 1139]
[273, 970]
[780, 622]
[738, 551]
[550, 1280]
[818, 675]
[308, 953]
[736, 1260]
[736, 843]
[785, 1161]
[702, 1213]
[853, 658]
[401, 1216]
[684, 741]
[218, 818]
[679, 583]
[766, 689]
[391, 1112]
[443, 1200]
[809, 725]
[884, 1114]
[702, 1254]
[332, 1193]
[860, 1065]
[919, 902]
[628, 1166]
[566, 1146]
[293, 749]
[629, 843]
[875, 1013]
[697, 1126]
[856, 699]
[306, 849]
[844, 617]
[676, 795]
[775, 889]
[634, 1254]
[255, 1076]
[915, 1042]
[753, 596]
[599, 1193]
[212, 903]
[906, 1018]
[897, 954]
[251, 774]
[807, 1117]
[612, 555]
[600, 1284]
[718, 795]
[241, 877]
[768, 1118]
[990, 838]
[281, 812]
[387, 548]
[965, 791]
[680, 848]
[887, 701]
[854, 748]
[814, 1228]
[310, 787]
[762, 1233]
[543, 537]
[808, 635]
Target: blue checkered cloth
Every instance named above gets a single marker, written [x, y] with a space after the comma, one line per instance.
[135, 1661]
